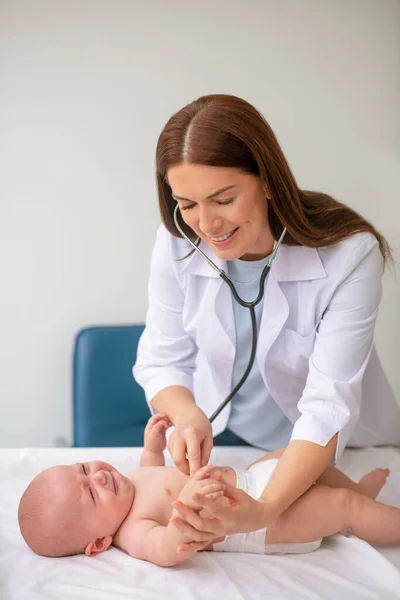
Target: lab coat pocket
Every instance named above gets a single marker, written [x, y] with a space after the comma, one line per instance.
[295, 351]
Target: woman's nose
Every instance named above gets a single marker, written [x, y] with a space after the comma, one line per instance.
[209, 221]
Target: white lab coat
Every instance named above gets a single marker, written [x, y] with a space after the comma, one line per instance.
[315, 349]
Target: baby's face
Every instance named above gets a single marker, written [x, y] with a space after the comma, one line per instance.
[96, 493]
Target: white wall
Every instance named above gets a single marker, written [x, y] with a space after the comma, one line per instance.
[86, 88]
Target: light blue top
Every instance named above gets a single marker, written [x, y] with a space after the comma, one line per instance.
[255, 417]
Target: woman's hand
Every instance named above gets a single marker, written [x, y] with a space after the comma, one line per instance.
[235, 512]
[191, 442]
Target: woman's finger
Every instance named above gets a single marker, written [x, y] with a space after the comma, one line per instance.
[194, 521]
[206, 447]
[189, 515]
[191, 532]
[193, 451]
[192, 546]
[217, 510]
[177, 449]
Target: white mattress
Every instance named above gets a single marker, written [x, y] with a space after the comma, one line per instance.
[344, 567]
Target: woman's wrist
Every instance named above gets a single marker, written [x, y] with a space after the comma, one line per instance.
[190, 417]
[269, 510]
[174, 401]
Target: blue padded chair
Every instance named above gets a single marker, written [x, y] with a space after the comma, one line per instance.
[109, 407]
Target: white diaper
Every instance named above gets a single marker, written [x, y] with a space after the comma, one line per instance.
[253, 482]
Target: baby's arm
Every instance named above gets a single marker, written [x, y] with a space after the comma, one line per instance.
[148, 540]
[155, 441]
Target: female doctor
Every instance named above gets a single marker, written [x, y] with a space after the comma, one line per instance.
[316, 383]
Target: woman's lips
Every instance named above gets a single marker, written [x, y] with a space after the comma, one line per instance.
[225, 242]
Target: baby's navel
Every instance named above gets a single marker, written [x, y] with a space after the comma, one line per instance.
[168, 491]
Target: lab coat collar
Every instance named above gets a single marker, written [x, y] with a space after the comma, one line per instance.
[292, 263]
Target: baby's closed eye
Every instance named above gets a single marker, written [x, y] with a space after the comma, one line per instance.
[85, 471]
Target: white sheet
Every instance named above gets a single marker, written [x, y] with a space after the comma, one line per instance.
[344, 567]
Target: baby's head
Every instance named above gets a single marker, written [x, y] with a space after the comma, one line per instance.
[74, 509]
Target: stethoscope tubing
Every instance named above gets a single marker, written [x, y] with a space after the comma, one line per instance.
[250, 305]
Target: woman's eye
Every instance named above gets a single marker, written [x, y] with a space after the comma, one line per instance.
[84, 469]
[91, 493]
[222, 203]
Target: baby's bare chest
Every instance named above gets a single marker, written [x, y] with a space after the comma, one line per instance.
[155, 489]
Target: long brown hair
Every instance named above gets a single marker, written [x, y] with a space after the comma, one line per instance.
[226, 131]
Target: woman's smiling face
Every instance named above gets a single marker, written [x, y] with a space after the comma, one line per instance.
[225, 207]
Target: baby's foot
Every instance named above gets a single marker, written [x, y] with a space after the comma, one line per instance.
[372, 483]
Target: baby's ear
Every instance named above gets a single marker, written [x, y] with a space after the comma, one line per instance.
[99, 545]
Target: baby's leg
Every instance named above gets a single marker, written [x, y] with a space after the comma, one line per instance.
[369, 485]
[323, 511]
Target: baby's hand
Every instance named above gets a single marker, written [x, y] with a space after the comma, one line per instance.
[201, 485]
[154, 434]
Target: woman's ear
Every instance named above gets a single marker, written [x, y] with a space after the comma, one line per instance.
[266, 191]
[99, 545]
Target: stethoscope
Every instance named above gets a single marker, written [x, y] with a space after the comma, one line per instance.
[250, 305]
